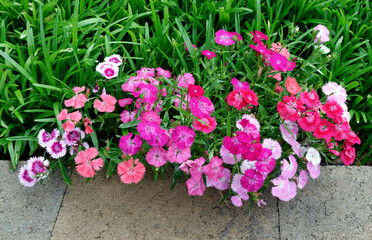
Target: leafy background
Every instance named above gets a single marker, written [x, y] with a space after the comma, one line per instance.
[47, 47]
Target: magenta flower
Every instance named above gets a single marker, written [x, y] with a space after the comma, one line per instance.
[164, 73]
[233, 145]
[159, 139]
[156, 156]
[56, 149]
[201, 107]
[237, 36]
[322, 35]
[214, 169]
[149, 92]
[208, 54]
[108, 70]
[115, 59]
[127, 116]
[37, 166]
[147, 130]
[252, 180]
[178, 155]
[183, 136]
[279, 62]
[239, 85]
[45, 137]
[224, 38]
[151, 116]
[195, 90]
[195, 185]
[228, 157]
[184, 44]
[284, 189]
[130, 146]
[252, 151]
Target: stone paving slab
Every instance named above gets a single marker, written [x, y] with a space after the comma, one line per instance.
[337, 205]
[108, 209]
[28, 213]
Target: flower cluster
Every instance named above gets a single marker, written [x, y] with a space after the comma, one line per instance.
[36, 169]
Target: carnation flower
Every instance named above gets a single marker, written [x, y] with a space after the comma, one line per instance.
[88, 129]
[108, 69]
[228, 157]
[251, 119]
[156, 156]
[115, 59]
[280, 63]
[77, 101]
[201, 107]
[236, 36]
[311, 99]
[302, 179]
[352, 138]
[236, 99]
[274, 146]
[224, 38]
[178, 155]
[177, 101]
[214, 169]
[56, 149]
[24, 177]
[313, 170]
[72, 137]
[86, 166]
[44, 137]
[185, 80]
[37, 166]
[335, 92]
[147, 130]
[289, 108]
[289, 169]
[72, 119]
[249, 96]
[159, 139]
[195, 185]
[233, 145]
[292, 86]
[193, 45]
[259, 35]
[145, 73]
[278, 48]
[149, 92]
[164, 73]
[130, 172]
[313, 156]
[277, 76]
[196, 167]
[322, 35]
[332, 109]
[208, 54]
[75, 149]
[151, 116]
[206, 125]
[239, 85]
[284, 189]
[252, 180]
[265, 162]
[309, 121]
[250, 129]
[127, 116]
[128, 145]
[195, 90]
[222, 183]
[125, 101]
[323, 130]
[183, 136]
[322, 49]
[247, 165]
[290, 134]
[332, 146]
[107, 105]
[348, 155]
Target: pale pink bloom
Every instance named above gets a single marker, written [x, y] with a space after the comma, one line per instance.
[214, 169]
[128, 145]
[125, 101]
[228, 157]
[85, 165]
[130, 172]
[177, 101]
[224, 38]
[77, 101]
[313, 156]
[277, 76]
[195, 185]
[72, 137]
[183, 136]
[313, 170]
[185, 80]
[289, 169]
[24, 177]
[274, 146]
[223, 183]
[335, 92]
[290, 135]
[278, 48]
[322, 35]
[236, 201]
[37, 166]
[145, 73]
[132, 84]
[201, 107]
[96, 89]
[156, 156]
[107, 105]
[75, 149]
[236, 186]
[108, 70]
[178, 155]
[56, 149]
[196, 166]
[261, 202]
[164, 73]
[208, 54]
[251, 119]
[302, 179]
[115, 59]
[127, 116]
[186, 165]
[284, 189]
[45, 137]
[72, 119]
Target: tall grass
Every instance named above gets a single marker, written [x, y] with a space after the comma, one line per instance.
[47, 47]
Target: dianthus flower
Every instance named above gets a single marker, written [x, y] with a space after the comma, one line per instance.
[45, 137]
[206, 125]
[313, 156]
[196, 167]
[278, 48]
[335, 92]
[302, 179]
[222, 183]
[183, 136]
[178, 101]
[352, 138]
[250, 129]
[185, 80]
[236, 36]
[324, 129]
[37, 166]
[280, 63]
[77, 101]
[322, 35]
[265, 163]
[249, 96]
[195, 185]
[289, 108]
[147, 130]
[72, 137]
[107, 105]
[289, 168]
[108, 69]
[228, 157]
[292, 86]
[236, 186]
[201, 107]
[164, 73]
[127, 116]
[309, 121]
[130, 146]
[160, 138]
[332, 109]
[274, 146]
[24, 177]
[208, 54]
[115, 59]
[178, 155]
[195, 90]
[224, 38]
[214, 169]
[236, 99]
[86, 166]
[149, 92]
[348, 154]
[313, 170]
[233, 145]
[130, 172]
[151, 116]
[284, 189]
[72, 119]
[125, 101]
[88, 129]
[341, 130]
[311, 99]
[193, 45]
[239, 85]
[156, 156]
[257, 35]
[145, 73]
[251, 119]
[252, 180]
[56, 149]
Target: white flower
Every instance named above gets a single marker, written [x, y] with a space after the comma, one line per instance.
[313, 156]
[323, 49]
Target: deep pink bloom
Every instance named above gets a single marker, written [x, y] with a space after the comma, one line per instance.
[311, 99]
[239, 85]
[289, 169]
[324, 129]
[252, 180]
[233, 145]
[86, 166]
[149, 92]
[341, 130]
[77, 101]
[224, 38]
[195, 185]
[252, 151]
[265, 162]
[236, 99]
[130, 172]
[164, 73]
[201, 107]
[185, 80]
[280, 63]
[130, 146]
[195, 90]
[156, 156]
[208, 54]
[206, 125]
[214, 169]
[250, 129]
[37, 166]
[115, 59]
[125, 101]
[108, 70]
[289, 108]
[348, 154]
[107, 105]
[249, 96]
[309, 121]
[71, 138]
[352, 138]
[237, 36]
[251, 119]
[178, 155]
[159, 139]
[284, 189]
[332, 109]
[151, 116]
[183, 136]
[145, 73]
[147, 130]
[260, 35]
[56, 149]
[178, 101]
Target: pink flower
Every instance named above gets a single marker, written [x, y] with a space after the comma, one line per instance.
[196, 166]
[208, 54]
[201, 107]
[56, 149]
[251, 119]
[280, 63]
[284, 189]
[252, 180]
[228, 157]
[265, 162]
[195, 185]
[309, 121]
[236, 186]
[149, 92]
[37, 166]
[130, 172]
[292, 86]
[223, 183]
[86, 166]
[159, 139]
[311, 99]
[214, 169]
[313, 170]
[125, 101]
[88, 129]
[289, 169]
[313, 156]
[184, 44]
[147, 130]
[183, 136]
[249, 96]
[178, 155]
[236, 99]
[156, 156]
[151, 117]
[77, 101]
[72, 137]
[115, 59]
[239, 85]
[236, 36]
[259, 35]
[332, 109]
[278, 48]
[302, 179]
[352, 138]
[324, 129]
[24, 177]
[206, 125]
[252, 151]
[289, 108]
[274, 146]
[127, 116]
[164, 73]
[335, 92]
[322, 35]
[348, 155]
[250, 129]
[145, 73]
[341, 130]
[233, 145]
[277, 76]
[108, 70]
[195, 90]
[72, 119]
[45, 137]
[130, 146]
[224, 38]
[185, 80]
[108, 104]
[178, 101]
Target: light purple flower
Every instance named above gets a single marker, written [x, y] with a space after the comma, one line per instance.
[71, 138]
[302, 179]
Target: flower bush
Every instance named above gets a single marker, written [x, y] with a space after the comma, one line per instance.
[240, 131]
